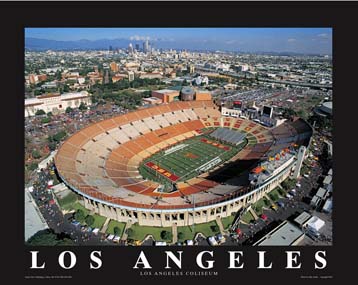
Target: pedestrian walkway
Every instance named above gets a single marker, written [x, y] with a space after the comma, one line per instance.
[220, 224]
[175, 232]
[125, 236]
[105, 226]
[253, 213]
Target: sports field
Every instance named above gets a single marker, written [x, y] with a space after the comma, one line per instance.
[187, 159]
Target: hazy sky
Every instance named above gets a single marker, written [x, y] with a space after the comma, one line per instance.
[304, 40]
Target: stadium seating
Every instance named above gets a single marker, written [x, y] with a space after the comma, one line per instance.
[102, 160]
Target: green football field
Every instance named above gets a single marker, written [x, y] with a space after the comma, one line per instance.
[187, 159]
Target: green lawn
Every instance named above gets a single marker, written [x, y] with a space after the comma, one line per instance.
[247, 217]
[98, 221]
[227, 221]
[280, 191]
[275, 194]
[257, 207]
[112, 224]
[67, 202]
[206, 230]
[189, 232]
[77, 206]
[140, 232]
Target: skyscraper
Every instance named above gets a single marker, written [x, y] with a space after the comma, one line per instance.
[146, 46]
[137, 47]
[130, 48]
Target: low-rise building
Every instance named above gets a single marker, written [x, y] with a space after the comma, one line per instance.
[56, 102]
[286, 234]
[152, 101]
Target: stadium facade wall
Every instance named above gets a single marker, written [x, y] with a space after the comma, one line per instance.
[188, 216]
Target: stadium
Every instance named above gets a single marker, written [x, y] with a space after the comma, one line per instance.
[181, 162]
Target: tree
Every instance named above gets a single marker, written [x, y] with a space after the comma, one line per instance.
[36, 154]
[49, 114]
[214, 228]
[33, 166]
[289, 113]
[58, 75]
[166, 235]
[40, 112]
[68, 110]
[45, 120]
[89, 220]
[57, 137]
[37, 92]
[79, 215]
[180, 235]
[117, 231]
[50, 238]
[130, 232]
[288, 184]
[52, 146]
[82, 106]
[66, 88]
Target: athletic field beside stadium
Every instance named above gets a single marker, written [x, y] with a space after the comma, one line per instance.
[188, 159]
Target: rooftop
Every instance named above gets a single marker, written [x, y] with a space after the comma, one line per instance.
[283, 235]
[302, 218]
[34, 221]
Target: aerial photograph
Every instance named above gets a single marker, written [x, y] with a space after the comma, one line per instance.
[178, 136]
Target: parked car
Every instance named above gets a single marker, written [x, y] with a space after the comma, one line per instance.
[281, 204]
[212, 241]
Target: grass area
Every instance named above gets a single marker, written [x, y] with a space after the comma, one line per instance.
[281, 191]
[275, 194]
[112, 224]
[247, 217]
[98, 221]
[257, 207]
[189, 159]
[187, 233]
[140, 232]
[67, 202]
[206, 229]
[227, 221]
[77, 206]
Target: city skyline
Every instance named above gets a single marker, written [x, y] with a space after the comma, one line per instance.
[295, 40]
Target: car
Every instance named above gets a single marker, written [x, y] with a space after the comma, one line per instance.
[298, 185]
[264, 217]
[110, 237]
[75, 223]
[289, 196]
[220, 238]
[160, 243]
[116, 239]
[274, 207]
[212, 241]
[281, 204]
